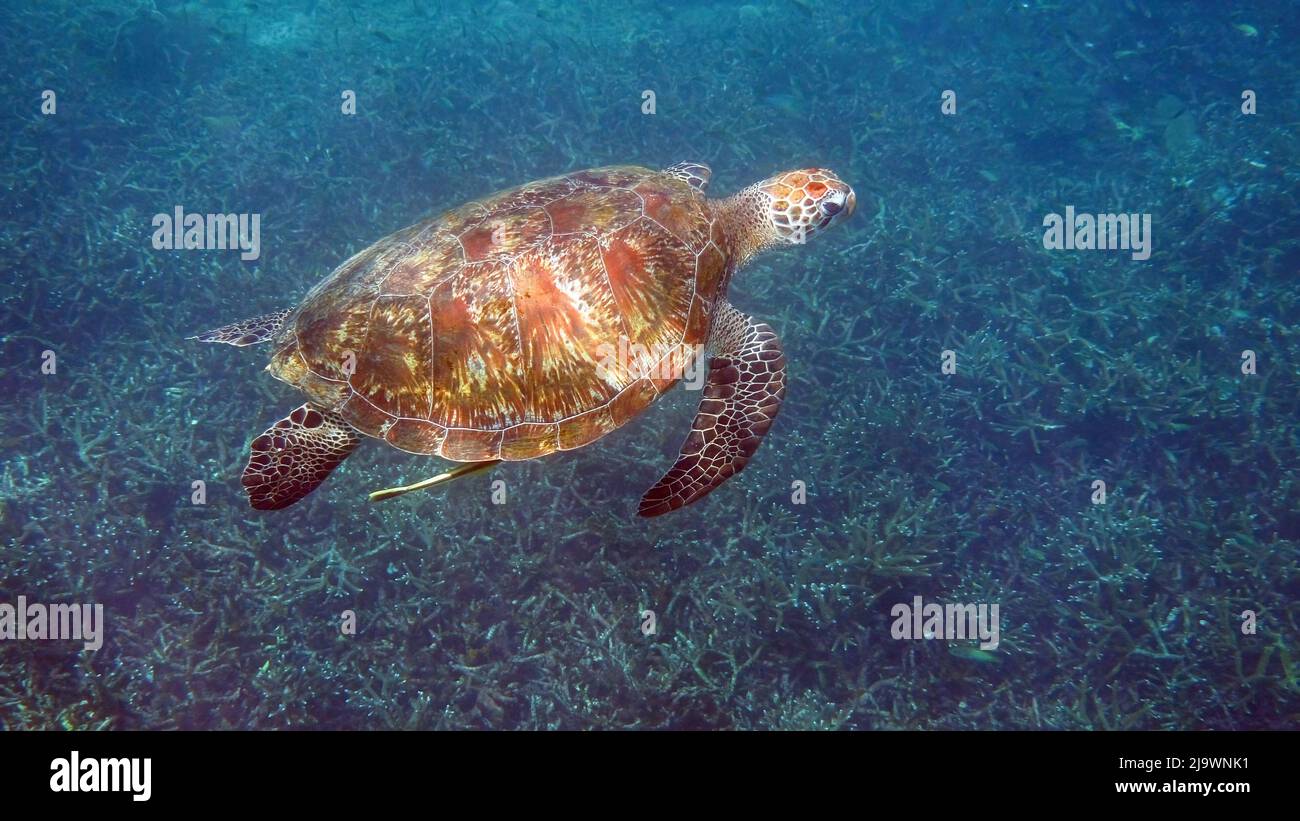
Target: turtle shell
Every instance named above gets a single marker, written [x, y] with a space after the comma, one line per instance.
[536, 320]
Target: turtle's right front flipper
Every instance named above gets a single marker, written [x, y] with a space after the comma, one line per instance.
[295, 455]
[246, 332]
[746, 385]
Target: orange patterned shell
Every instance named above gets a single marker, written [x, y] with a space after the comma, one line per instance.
[536, 320]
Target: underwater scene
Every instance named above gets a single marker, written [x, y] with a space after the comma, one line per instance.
[630, 364]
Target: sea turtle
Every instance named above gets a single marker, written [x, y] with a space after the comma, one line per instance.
[538, 320]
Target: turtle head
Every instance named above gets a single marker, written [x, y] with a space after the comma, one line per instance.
[805, 202]
[787, 209]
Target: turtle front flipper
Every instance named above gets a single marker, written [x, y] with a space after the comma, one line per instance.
[295, 455]
[745, 387]
[694, 173]
[246, 332]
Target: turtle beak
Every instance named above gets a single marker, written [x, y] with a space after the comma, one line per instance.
[841, 202]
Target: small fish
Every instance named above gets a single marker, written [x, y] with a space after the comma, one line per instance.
[968, 653]
[787, 104]
[1246, 29]
[225, 126]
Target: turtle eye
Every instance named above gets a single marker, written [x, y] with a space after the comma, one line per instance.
[831, 208]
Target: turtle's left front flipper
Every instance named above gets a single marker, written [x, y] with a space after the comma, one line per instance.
[745, 387]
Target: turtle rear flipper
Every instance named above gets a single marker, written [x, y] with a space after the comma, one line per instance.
[247, 331]
[744, 391]
[295, 455]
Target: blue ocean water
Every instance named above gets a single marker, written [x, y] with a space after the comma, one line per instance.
[1043, 378]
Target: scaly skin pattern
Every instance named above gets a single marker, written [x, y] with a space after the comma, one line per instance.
[495, 330]
[745, 387]
[784, 210]
[295, 455]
